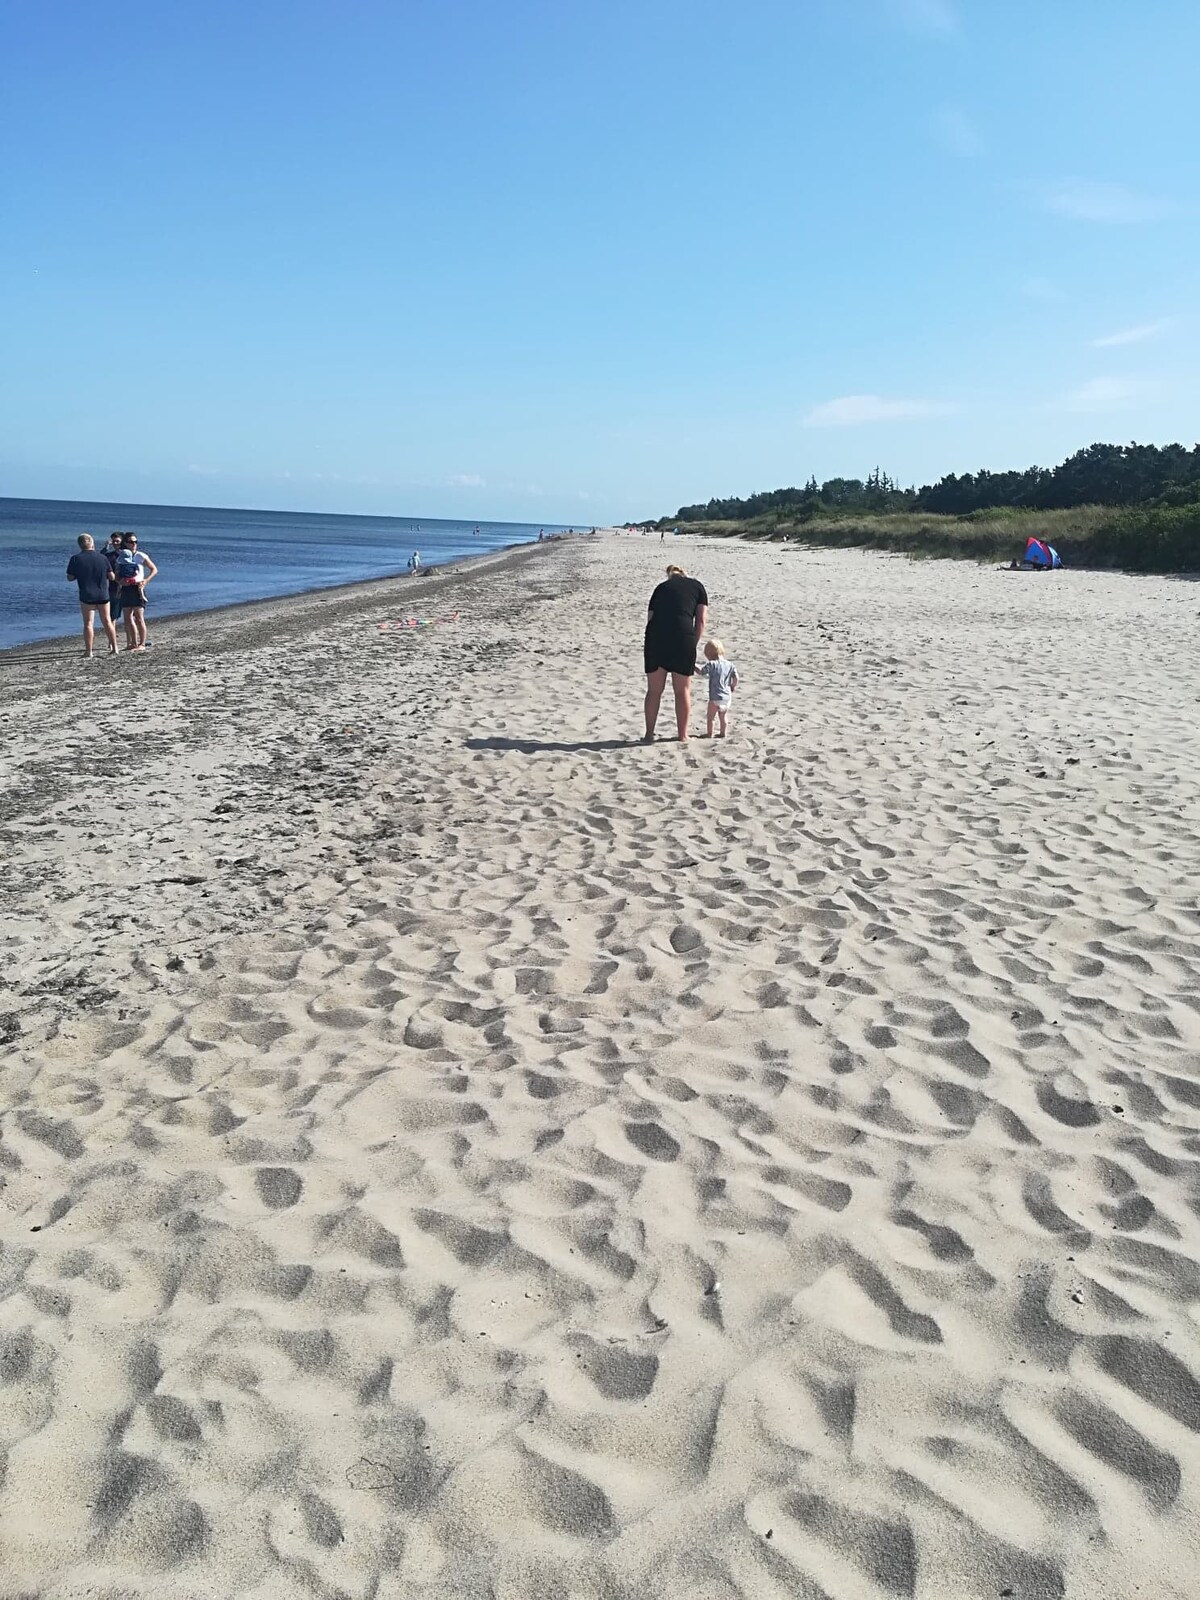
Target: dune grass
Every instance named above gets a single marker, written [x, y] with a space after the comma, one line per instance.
[1148, 539]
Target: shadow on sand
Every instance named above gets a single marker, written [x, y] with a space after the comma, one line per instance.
[16, 656]
[531, 747]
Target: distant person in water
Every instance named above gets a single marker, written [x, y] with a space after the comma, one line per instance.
[674, 628]
[134, 571]
[91, 571]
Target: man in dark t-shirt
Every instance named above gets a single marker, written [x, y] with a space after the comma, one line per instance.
[674, 628]
[92, 572]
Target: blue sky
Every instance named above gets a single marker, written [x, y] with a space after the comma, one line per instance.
[583, 261]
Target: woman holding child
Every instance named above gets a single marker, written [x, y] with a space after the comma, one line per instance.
[674, 628]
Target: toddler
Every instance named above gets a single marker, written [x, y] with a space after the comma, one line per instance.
[722, 681]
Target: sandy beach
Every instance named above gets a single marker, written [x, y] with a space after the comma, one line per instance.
[450, 1150]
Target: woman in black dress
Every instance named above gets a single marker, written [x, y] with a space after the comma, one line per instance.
[674, 627]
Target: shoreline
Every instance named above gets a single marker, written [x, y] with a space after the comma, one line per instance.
[296, 601]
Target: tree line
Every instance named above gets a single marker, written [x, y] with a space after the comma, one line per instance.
[1101, 474]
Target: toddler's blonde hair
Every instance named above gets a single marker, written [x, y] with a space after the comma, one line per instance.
[717, 648]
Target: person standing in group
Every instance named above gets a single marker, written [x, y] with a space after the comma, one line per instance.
[90, 570]
[674, 628]
[113, 546]
[134, 571]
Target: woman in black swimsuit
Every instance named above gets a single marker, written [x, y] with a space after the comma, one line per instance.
[674, 628]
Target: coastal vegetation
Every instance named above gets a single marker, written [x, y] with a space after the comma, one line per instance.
[1135, 507]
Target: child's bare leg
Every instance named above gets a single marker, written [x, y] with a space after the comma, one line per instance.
[724, 716]
[712, 717]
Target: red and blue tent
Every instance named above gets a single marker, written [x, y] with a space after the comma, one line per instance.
[1040, 554]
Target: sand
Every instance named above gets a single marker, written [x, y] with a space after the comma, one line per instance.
[450, 1150]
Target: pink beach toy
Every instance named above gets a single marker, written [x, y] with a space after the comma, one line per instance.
[417, 622]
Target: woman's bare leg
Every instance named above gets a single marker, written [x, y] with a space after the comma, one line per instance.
[656, 682]
[683, 703]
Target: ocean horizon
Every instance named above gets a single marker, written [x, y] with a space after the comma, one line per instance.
[209, 557]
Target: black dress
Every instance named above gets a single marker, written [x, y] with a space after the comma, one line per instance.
[671, 631]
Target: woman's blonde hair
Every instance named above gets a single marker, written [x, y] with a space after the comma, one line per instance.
[714, 644]
[676, 572]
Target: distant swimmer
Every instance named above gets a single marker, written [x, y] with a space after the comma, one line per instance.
[92, 571]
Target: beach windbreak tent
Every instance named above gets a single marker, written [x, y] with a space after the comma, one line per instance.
[1040, 554]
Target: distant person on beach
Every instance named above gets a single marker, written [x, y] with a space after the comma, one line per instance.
[91, 570]
[134, 571]
[674, 628]
[722, 681]
[414, 562]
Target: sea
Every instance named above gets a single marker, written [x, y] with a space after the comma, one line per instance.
[208, 558]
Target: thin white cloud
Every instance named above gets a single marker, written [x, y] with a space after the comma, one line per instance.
[1135, 335]
[955, 132]
[466, 480]
[1104, 394]
[852, 410]
[1082, 200]
[925, 16]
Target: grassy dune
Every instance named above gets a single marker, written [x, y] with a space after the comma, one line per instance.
[1141, 540]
